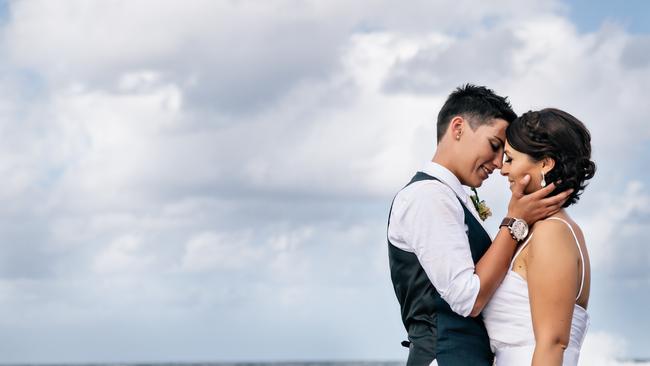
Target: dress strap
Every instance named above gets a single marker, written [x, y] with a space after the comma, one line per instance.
[582, 258]
[520, 249]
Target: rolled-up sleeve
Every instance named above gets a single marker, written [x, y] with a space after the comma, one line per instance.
[433, 224]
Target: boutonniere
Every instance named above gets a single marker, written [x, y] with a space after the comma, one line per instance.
[482, 209]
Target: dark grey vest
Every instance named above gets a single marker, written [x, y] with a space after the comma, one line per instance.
[434, 330]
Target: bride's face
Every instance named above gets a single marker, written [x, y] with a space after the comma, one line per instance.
[517, 164]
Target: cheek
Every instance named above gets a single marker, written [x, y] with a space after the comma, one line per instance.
[518, 170]
[485, 156]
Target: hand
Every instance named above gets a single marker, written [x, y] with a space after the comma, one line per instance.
[535, 206]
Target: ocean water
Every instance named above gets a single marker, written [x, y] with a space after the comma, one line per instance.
[631, 362]
[292, 363]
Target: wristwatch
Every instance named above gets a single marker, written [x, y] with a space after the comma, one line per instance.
[518, 227]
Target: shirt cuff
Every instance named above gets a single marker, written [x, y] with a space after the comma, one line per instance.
[462, 293]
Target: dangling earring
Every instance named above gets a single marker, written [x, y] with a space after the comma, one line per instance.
[458, 137]
[543, 182]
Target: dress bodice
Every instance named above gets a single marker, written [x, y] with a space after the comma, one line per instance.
[509, 321]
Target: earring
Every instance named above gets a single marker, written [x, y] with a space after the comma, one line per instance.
[458, 137]
[543, 182]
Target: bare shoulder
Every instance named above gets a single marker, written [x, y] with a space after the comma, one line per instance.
[551, 237]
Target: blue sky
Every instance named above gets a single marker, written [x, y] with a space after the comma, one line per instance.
[633, 15]
[210, 181]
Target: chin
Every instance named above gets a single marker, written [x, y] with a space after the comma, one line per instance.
[472, 182]
[477, 183]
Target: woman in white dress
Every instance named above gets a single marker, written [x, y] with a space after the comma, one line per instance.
[538, 315]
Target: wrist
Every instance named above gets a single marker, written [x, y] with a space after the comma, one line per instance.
[517, 227]
[519, 215]
[512, 243]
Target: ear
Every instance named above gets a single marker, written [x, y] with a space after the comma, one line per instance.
[548, 164]
[456, 126]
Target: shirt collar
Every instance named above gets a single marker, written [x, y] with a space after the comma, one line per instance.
[447, 177]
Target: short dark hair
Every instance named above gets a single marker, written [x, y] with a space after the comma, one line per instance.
[477, 103]
[552, 133]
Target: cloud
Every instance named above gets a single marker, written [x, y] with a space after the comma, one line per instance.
[635, 53]
[220, 167]
[211, 251]
[482, 58]
[122, 255]
[208, 47]
[621, 218]
[602, 349]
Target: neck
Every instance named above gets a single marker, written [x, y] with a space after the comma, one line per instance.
[447, 162]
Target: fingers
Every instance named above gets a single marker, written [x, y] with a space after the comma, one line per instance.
[518, 189]
[557, 200]
[552, 210]
[541, 193]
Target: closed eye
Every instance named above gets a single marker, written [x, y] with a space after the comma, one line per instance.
[496, 145]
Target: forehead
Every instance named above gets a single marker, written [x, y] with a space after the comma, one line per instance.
[511, 150]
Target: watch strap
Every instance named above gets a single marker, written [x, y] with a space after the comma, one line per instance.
[507, 221]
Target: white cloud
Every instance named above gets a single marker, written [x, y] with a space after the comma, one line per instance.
[185, 161]
[124, 255]
[616, 216]
[211, 251]
[602, 349]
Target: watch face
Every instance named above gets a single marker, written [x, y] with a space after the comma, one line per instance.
[519, 229]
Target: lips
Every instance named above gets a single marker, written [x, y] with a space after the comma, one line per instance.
[486, 170]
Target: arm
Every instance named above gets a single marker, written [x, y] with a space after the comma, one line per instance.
[494, 265]
[552, 286]
[430, 220]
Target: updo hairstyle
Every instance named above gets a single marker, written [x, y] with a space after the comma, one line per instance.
[558, 135]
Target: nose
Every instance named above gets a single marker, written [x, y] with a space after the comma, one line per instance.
[498, 161]
[504, 170]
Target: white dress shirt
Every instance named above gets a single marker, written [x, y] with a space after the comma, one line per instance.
[427, 219]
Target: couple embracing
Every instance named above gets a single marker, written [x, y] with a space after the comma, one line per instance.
[519, 298]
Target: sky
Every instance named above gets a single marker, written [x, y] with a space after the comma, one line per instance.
[210, 180]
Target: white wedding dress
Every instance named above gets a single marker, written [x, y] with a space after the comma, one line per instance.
[509, 322]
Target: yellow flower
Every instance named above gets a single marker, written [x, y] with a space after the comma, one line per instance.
[481, 207]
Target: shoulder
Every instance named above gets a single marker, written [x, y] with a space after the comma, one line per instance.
[427, 198]
[427, 192]
[551, 227]
[426, 188]
[551, 237]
